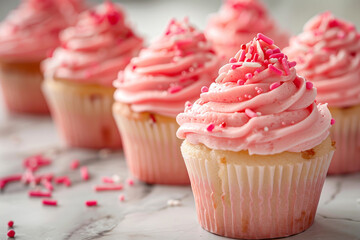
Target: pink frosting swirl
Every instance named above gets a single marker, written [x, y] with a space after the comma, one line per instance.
[169, 72]
[96, 48]
[31, 31]
[258, 103]
[237, 22]
[328, 53]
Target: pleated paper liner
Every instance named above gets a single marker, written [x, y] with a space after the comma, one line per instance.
[151, 147]
[21, 88]
[346, 133]
[83, 114]
[256, 197]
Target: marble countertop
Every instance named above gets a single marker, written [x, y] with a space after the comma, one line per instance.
[145, 213]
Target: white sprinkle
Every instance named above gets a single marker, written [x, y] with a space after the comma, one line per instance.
[258, 113]
[266, 129]
[273, 60]
[251, 64]
[173, 203]
[116, 178]
[248, 55]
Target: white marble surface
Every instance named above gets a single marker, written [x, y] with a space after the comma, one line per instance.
[144, 214]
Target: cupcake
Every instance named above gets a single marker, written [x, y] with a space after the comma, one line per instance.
[237, 22]
[256, 147]
[328, 54]
[79, 76]
[27, 35]
[151, 91]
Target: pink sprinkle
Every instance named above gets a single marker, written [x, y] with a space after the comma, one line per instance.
[276, 50]
[174, 89]
[39, 194]
[67, 182]
[210, 127]
[114, 187]
[334, 23]
[255, 57]
[49, 202]
[84, 173]
[134, 67]
[122, 198]
[47, 184]
[91, 203]
[292, 64]
[276, 55]
[309, 85]
[204, 89]
[250, 113]
[107, 180]
[332, 122]
[266, 62]
[11, 233]
[257, 71]
[235, 66]
[188, 104]
[285, 66]
[130, 182]
[251, 49]
[11, 223]
[223, 124]
[8, 179]
[275, 85]
[240, 82]
[248, 76]
[265, 39]
[232, 60]
[275, 69]
[242, 56]
[75, 164]
[268, 52]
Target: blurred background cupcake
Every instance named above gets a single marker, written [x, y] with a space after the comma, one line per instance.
[257, 147]
[328, 53]
[152, 90]
[79, 76]
[237, 22]
[27, 35]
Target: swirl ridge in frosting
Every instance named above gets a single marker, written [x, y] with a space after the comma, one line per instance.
[96, 48]
[32, 30]
[238, 21]
[257, 103]
[328, 53]
[169, 72]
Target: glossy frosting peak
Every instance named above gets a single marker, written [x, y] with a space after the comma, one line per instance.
[96, 48]
[328, 53]
[258, 103]
[169, 72]
[31, 31]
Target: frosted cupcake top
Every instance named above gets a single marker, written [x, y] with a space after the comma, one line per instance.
[239, 20]
[328, 53]
[31, 31]
[96, 48]
[257, 103]
[169, 72]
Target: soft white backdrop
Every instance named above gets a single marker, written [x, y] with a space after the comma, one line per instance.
[151, 16]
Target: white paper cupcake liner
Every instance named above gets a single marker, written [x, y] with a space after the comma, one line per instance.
[152, 150]
[256, 202]
[83, 120]
[346, 133]
[22, 90]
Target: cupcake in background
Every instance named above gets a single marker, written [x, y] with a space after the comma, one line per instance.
[152, 90]
[79, 76]
[27, 36]
[257, 147]
[237, 22]
[328, 54]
